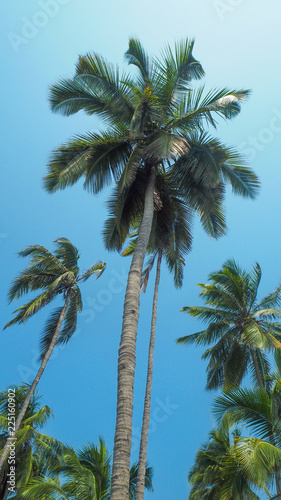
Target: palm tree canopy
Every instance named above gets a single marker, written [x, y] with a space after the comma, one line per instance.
[153, 117]
[238, 324]
[84, 474]
[54, 273]
[221, 470]
[258, 409]
[30, 442]
[171, 232]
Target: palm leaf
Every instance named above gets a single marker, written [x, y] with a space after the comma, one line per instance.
[97, 269]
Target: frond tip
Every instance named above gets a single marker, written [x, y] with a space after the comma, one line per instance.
[97, 269]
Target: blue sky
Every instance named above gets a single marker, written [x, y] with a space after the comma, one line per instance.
[237, 42]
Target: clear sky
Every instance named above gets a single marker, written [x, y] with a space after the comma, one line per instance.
[238, 44]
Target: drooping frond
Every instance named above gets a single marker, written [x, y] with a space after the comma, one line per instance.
[97, 269]
[198, 109]
[258, 458]
[93, 95]
[41, 488]
[137, 56]
[67, 253]
[70, 319]
[32, 307]
[249, 406]
[105, 78]
[41, 272]
[40, 418]
[99, 158]
[49, 331]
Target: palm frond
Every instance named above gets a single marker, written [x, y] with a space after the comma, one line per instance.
[99, 158]
[98, 268]
[137, 56]
[176, 69]
[67, 253]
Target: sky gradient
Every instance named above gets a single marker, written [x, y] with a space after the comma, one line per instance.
[238, 45]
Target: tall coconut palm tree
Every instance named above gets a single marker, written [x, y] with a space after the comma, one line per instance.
[170, 238]
[241, 328]
[231, 468]
[55, 274]
[30, 442]
[154, 121]
[84, 474]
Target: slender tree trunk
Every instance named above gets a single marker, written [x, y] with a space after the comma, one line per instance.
[6, 493]
[257, 370]
[139, 495]
[127, 355]
[4, 486]
[34, 384]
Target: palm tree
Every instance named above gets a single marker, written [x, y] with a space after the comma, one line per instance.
[154, 122]
[258, 409]
[170, 238]
[228, 468]
[241, 328]
[84, 474]
[55, 274]
[30, 442]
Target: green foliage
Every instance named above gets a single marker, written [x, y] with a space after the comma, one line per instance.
[34, 451]
[55, 274]
[151, 118]
[219, 472]
[84, 474]
[241, 329]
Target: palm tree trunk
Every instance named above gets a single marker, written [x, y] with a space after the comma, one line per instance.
[257, 370]
[34, 384]
[127, 355]
[4, 486]
[139, 495]
[6, 493]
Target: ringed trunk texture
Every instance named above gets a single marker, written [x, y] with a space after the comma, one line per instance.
[127, 355]
[34, 384]
[139, 495]
[257, 370]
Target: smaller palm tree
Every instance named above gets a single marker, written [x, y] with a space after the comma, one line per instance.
[30, 443]
[83, 475]
[229, 467]
[55, 274]
[241, 328]
[260, 411]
